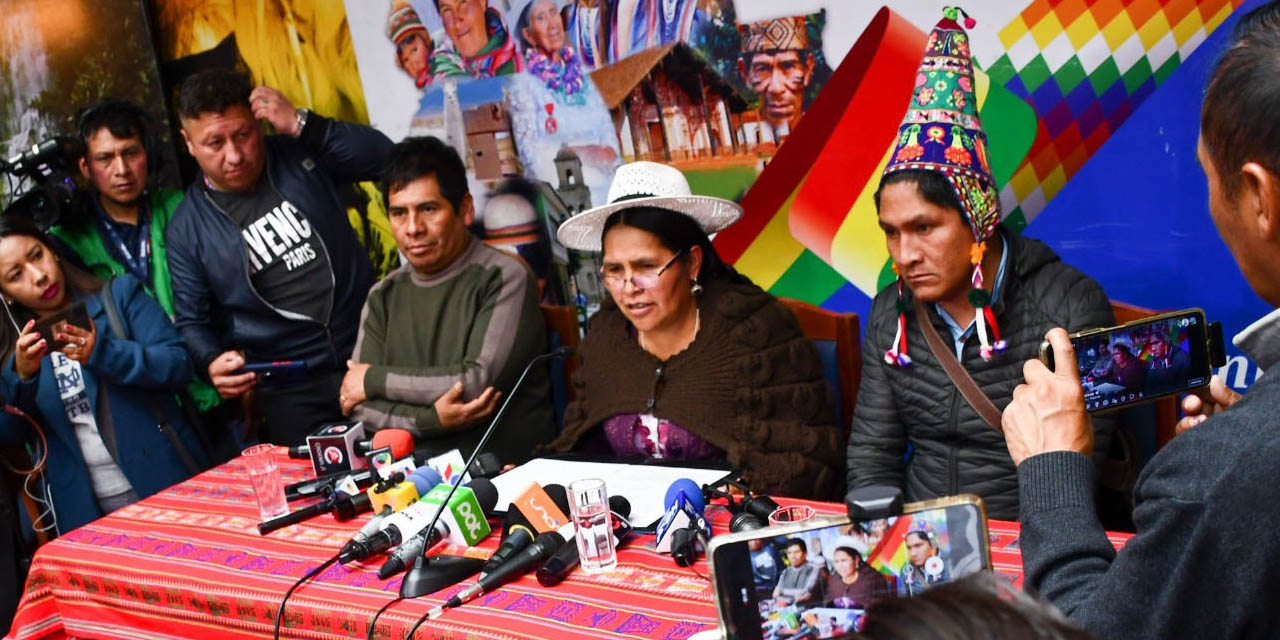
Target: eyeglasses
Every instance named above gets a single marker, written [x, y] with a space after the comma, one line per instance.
[642, 279]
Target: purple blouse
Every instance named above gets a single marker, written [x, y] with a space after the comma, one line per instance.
[628, 435]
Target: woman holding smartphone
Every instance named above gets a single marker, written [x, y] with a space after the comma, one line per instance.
[106, 404]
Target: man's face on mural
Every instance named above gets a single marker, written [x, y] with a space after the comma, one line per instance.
[464, 21]
[780, 78]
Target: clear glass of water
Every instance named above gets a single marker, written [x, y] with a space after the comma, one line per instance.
[593, 525]
[267, 486]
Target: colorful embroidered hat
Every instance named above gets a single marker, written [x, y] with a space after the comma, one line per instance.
[774, 35]
[941, 132]
[402, 21]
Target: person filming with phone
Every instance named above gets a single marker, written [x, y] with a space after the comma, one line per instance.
[1204, 561]
[102, 388]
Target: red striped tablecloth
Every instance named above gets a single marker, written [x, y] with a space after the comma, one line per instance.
[189, 563]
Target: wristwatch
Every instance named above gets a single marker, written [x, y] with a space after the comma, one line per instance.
[302, 121]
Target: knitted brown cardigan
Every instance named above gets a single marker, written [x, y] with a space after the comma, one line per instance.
[750, 384]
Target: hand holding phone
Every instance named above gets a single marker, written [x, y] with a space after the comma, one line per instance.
[1047, 412]
[29, 348]
[50, 327]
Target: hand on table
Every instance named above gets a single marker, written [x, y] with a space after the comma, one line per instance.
[1047, 412]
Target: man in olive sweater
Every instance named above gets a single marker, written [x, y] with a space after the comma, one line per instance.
[445, 336]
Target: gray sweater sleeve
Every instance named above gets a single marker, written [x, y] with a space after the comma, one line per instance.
[1161, 574]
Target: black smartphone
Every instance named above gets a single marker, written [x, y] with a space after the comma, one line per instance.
[50, 326]
[1142, 360]
[276, 374]
[815, 579]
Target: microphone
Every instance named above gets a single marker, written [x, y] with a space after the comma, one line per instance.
[464, 522]
[418, 581]
[685, 505]
[540, 549]
[561, 563]
[342, 446]
[520, 530]
[423, 479]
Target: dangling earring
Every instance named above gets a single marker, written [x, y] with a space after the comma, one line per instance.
[695, 287]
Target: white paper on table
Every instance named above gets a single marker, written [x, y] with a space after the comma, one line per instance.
[643, 485]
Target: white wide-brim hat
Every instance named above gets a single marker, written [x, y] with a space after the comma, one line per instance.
[647, 184]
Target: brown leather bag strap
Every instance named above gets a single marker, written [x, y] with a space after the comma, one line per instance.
[963, 381]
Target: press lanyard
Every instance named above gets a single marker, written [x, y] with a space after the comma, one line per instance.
[139, 266]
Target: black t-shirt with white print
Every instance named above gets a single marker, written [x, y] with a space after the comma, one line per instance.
[287, 264]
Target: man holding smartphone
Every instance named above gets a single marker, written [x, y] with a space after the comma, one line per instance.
[1204, 561]
[265, 266]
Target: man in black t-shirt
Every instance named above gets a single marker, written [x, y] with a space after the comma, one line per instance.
[265, 266]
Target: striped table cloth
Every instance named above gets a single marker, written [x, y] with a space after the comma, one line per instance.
[189, 563]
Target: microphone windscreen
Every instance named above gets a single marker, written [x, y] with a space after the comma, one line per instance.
[400, 441]
[620, 506]
[692, 494]
[424, 478]
[559, 496]
[486, 494]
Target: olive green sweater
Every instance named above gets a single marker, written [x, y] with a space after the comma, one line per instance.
[477, 321]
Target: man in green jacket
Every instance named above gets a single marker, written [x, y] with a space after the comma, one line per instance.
[444, 337]
[121, 227]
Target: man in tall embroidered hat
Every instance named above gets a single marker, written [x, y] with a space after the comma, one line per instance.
[963, 276]
[777, 62]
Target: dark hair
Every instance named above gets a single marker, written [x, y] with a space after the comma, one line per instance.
[978, 606]
[1238, 121]
[213, 91]
[421, 156]
[122, 118]
[797, 542]
[79, 281]
[522, 23]
[853, 553]
[923, 536]
[933, 187]
[677, 232]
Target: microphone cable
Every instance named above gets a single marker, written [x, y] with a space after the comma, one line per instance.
[275, 634]
[374, 620]
[414, 629]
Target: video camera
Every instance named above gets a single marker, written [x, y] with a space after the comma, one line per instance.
[51, 164]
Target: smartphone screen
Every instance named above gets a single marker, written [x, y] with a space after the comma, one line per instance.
[818, 583]
[1143, 361]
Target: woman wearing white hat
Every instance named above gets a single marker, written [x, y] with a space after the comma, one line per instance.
[688, 359]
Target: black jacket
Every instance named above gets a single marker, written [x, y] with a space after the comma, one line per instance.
[216, 307]
[953, 450]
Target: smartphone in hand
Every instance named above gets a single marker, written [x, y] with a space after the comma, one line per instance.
[50, 326]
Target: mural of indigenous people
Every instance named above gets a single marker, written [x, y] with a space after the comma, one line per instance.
[587, 25]
[653, 23]
[478, 45]
[413, 43]
[547, 55]
[777, 63]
